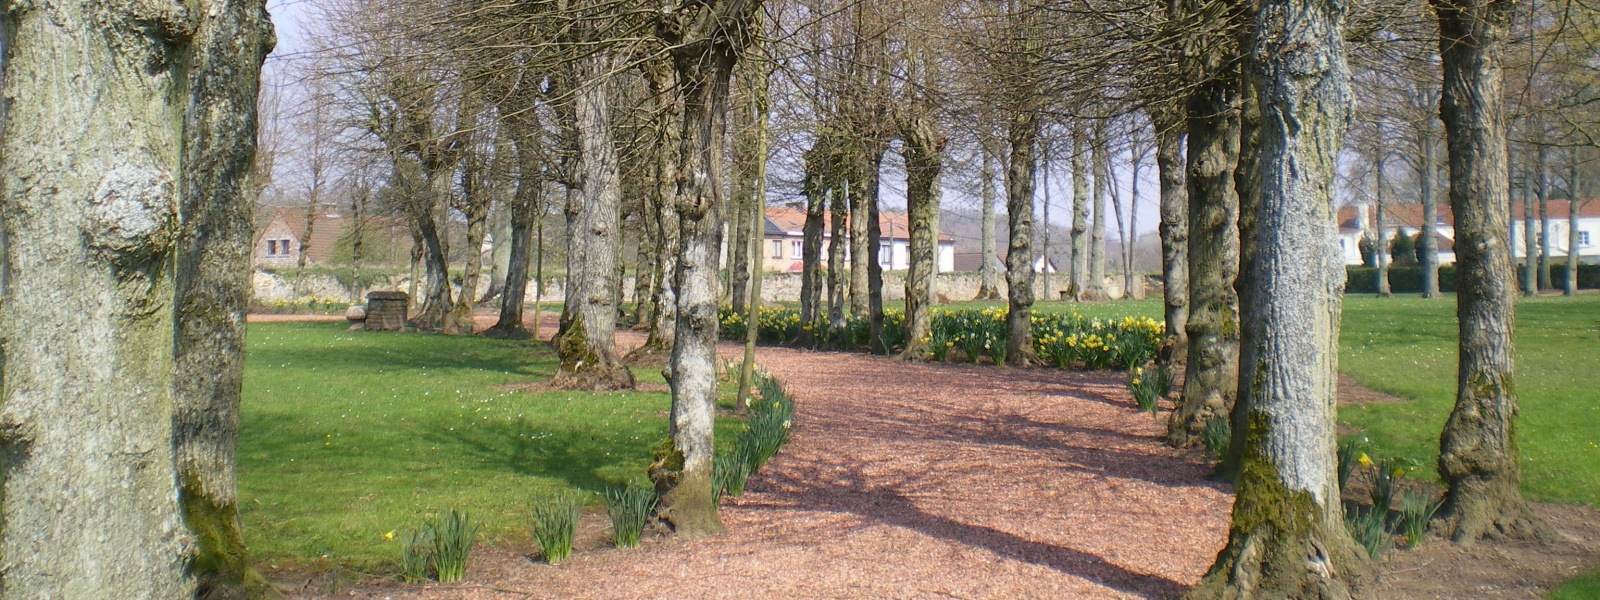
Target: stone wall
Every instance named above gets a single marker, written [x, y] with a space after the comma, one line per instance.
[776, 287]
[948, 287]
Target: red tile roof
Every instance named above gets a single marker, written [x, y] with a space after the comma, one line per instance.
[895, 226]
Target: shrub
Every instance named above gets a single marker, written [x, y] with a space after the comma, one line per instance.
[416, 556]
[1348, 451]
[1386, 474]
[629, 508]
[453, 537]
[1416, 509]
[729, 472]
[769, 420]
[1149, 388]
[554, 522]
[1366, 525]
[1218, 434]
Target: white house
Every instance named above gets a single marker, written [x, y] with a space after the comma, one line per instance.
[783, 243]
[1357, 221]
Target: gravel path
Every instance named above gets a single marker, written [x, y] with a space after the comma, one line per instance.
[907, 480]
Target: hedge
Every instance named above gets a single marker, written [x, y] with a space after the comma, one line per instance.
[1408, 280]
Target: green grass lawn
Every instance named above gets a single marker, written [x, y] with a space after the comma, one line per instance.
[346, 436]
[1406, 346]
[1586, 587]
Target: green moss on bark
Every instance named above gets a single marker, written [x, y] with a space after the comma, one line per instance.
[220, 565]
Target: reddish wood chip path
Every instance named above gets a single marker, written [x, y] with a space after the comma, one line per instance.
[908, 480]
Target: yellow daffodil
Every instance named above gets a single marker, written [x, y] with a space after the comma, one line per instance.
[1364, 460]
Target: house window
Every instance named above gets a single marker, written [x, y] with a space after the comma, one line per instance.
[884, 254]
[796, 249]
[1583, 238]
[272, 247]
[777, 249]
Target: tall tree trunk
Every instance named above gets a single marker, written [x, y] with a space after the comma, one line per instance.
[1210, 380]
[588, 346]
[1288, 538]
[525, 205]
[1247, 183]
[1174, 231]
[1478, 448]
[1080, 214]
[746, 195]
[500, 256]
[211, 284]
[706, 43]
[1023, 134]
[862, 253]
[1530, 244]
[664, 319]
[989, 288]
[1045, 231]
[838, 212]
[476, 202]
[817, 186]
[1428, 246]
[118, 446]
[871, 165]
[438, 308]
[924, 157]
[1100, 157]
[1543, 192]
[756, 84]
[1385, 242]
[1574, 208]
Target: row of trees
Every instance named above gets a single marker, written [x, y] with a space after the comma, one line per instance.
[664, 118]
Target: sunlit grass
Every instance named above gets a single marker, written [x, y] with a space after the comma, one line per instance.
[348, 436]
[1406, 346]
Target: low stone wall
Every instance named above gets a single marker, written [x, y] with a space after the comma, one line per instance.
[775, 287]
[948, 287]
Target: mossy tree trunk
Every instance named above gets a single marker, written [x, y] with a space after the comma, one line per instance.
[1210, 379]
[664, 204]
[924, 157]
[587, 345]
[707, 39]
[1247, 182]
[212, 288]
[1478, 457]
[1022, 137]
[130, 272]
[1288, 539]
[1174, 232]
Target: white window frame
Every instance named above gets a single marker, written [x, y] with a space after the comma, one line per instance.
[1584, 240]
[797, 248]
[777, 249]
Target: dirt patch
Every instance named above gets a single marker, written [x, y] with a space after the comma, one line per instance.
[1352, 393]
[1497, 571]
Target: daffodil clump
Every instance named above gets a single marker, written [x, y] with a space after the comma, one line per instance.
[1149, 387]
[1071, 340]
[311, 305]
[774, 324]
